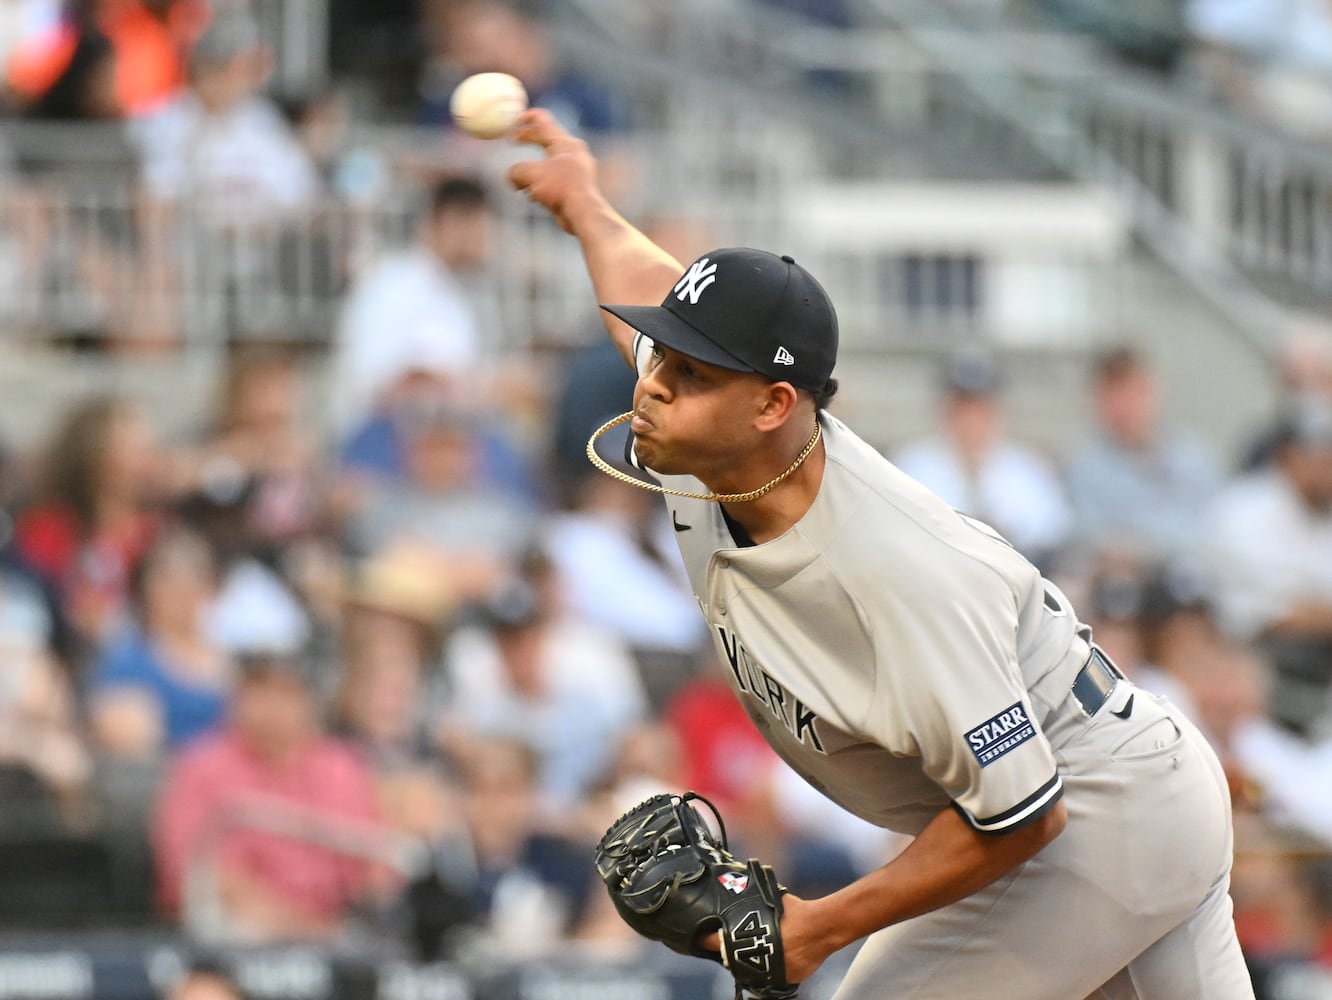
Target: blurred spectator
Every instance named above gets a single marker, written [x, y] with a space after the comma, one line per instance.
[22, 21]
[67, 73]
[1304, 368]
[45, 768]
[377, 713]
[259, 444]
[524, 671]
[650, 757]
[1281, 914]
[975, 467]
[483, 35]
[1135, 485]
[724, 755]
[597, 386]
[94, 515]
[268, 829]
[205, 981]
[501, 887]
[395, 609]
[258, 493]
[151, 39]
[1112, 607]
[68, 77]
[445, 503]
[1286, 777]
[531, 885]
[1271, 58]
[822, 846]
[413, 311]
[725, 758]
[104, 58]
[221, 147]
[354, 172]
[615, 556]
[224, 181]
[1268, 554]
[377, 454]
[163, 680]
[1181, 647]
[396, 612]
[1221, 685]
[406, 584]
[1156, 623]
[770, 811]
[256, 606]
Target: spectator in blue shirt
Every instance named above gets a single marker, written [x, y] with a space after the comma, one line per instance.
[162, 680]
[1136, 485]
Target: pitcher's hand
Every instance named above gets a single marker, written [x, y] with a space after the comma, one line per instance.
[565, 178]
[804, 945]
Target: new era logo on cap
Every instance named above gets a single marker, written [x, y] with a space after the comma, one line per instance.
[746, 310]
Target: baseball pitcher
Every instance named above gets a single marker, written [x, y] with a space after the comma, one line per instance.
[1071, 833]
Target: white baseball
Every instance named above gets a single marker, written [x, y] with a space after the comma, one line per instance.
[487, 105]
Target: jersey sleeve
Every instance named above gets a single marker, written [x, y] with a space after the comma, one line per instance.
[954, 695]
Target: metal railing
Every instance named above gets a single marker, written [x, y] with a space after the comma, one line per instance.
[89, 266]
[83, 254]
[1238, 208]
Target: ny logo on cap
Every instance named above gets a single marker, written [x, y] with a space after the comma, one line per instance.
[783, 357]
[699, 276]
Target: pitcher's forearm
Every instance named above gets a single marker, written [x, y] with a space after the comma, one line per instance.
[626, 267]
[947, 862]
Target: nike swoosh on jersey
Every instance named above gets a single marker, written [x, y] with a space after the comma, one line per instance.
[678, 526]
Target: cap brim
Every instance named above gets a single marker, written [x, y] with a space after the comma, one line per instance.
[664, 327]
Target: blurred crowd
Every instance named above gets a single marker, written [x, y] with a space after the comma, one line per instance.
[372, 654]
[1270, 60]
[388, 672]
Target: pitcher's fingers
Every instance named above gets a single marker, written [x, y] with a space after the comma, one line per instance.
[523, 175]
[538, 127]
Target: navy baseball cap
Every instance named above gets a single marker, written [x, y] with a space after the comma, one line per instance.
[749, 311]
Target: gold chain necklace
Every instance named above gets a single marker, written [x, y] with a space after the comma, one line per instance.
[615, 473]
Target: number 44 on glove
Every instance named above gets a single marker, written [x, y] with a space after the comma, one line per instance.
[672, 881]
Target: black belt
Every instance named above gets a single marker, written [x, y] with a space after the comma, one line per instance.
[1095, 681]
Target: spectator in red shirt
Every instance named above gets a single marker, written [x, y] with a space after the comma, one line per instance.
[725, 756]
[92, 521]
[268, 829]
[151, 39]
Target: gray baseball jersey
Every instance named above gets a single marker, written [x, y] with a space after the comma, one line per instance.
[885, 645]
[903, 658]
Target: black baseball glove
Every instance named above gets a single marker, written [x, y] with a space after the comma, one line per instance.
[673, 881]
